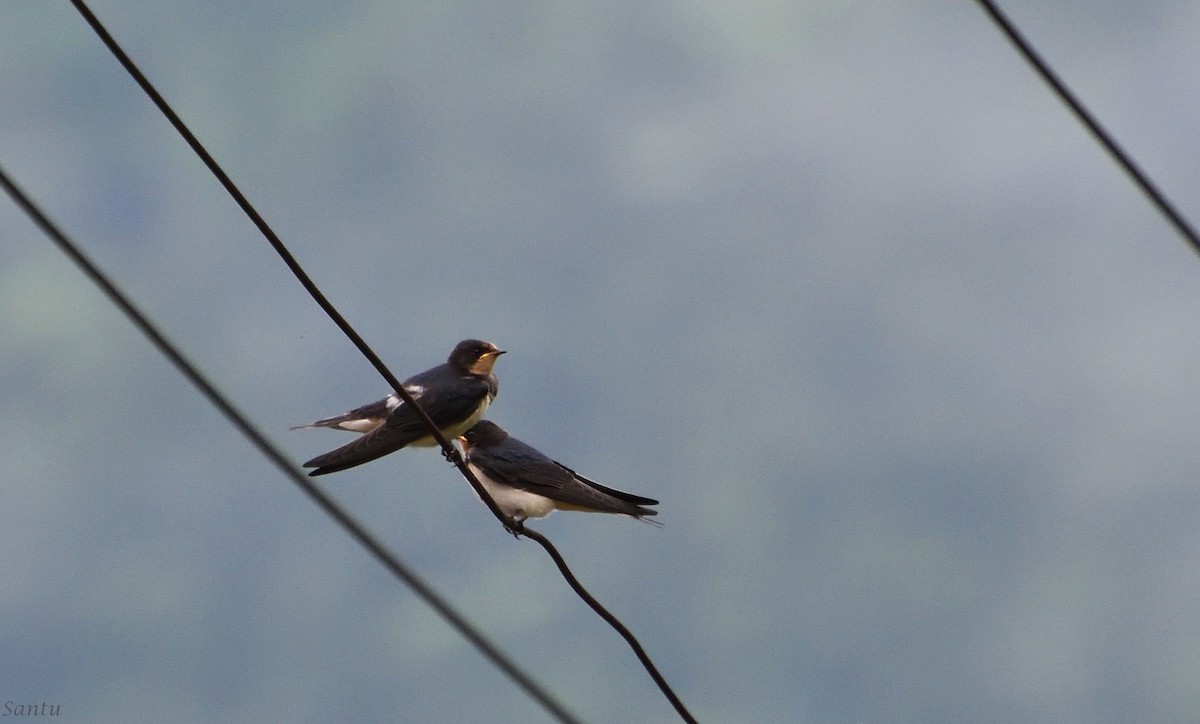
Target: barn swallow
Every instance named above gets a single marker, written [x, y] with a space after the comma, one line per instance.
[455, 395]
[527, 484]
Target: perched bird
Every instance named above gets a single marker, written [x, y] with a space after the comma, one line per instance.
[527, 484]
[455, 395]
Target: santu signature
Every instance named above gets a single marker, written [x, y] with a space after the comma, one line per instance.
[43, 709]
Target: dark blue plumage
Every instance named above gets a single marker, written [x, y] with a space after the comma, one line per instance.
[455, 395]
[527, 484]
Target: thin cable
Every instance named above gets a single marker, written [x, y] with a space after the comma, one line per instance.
[449, 451]
[1123, 159]
[272, 238]
[242, 423]
[613, 621]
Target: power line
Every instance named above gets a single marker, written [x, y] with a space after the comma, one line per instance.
[613, 621]
[1123, 159]
[259, 440]
[451, 454]
[276, 243]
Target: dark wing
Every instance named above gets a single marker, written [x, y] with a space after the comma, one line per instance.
[446, 404]
[517, 465]
[375, 444]
[521, 466]
[618, 494]
[591, 494]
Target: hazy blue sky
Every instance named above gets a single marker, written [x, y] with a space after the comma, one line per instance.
[910, 364]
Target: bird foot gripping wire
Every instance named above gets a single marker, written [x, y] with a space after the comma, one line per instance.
[452, 456]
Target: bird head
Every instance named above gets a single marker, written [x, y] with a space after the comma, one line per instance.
[475, 356]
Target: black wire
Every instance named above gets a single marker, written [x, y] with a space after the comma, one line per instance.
[616, 624]
[272, 238]
[1123, 159]
[242, 423]
[450, 452]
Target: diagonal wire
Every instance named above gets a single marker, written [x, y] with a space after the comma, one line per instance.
[1123, 159]
[310, 286]
[613, 621]
[242, 423]
[450, 452]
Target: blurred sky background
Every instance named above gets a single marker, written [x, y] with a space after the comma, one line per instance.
[909, 362]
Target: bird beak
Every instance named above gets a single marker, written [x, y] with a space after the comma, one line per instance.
[497, 353]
